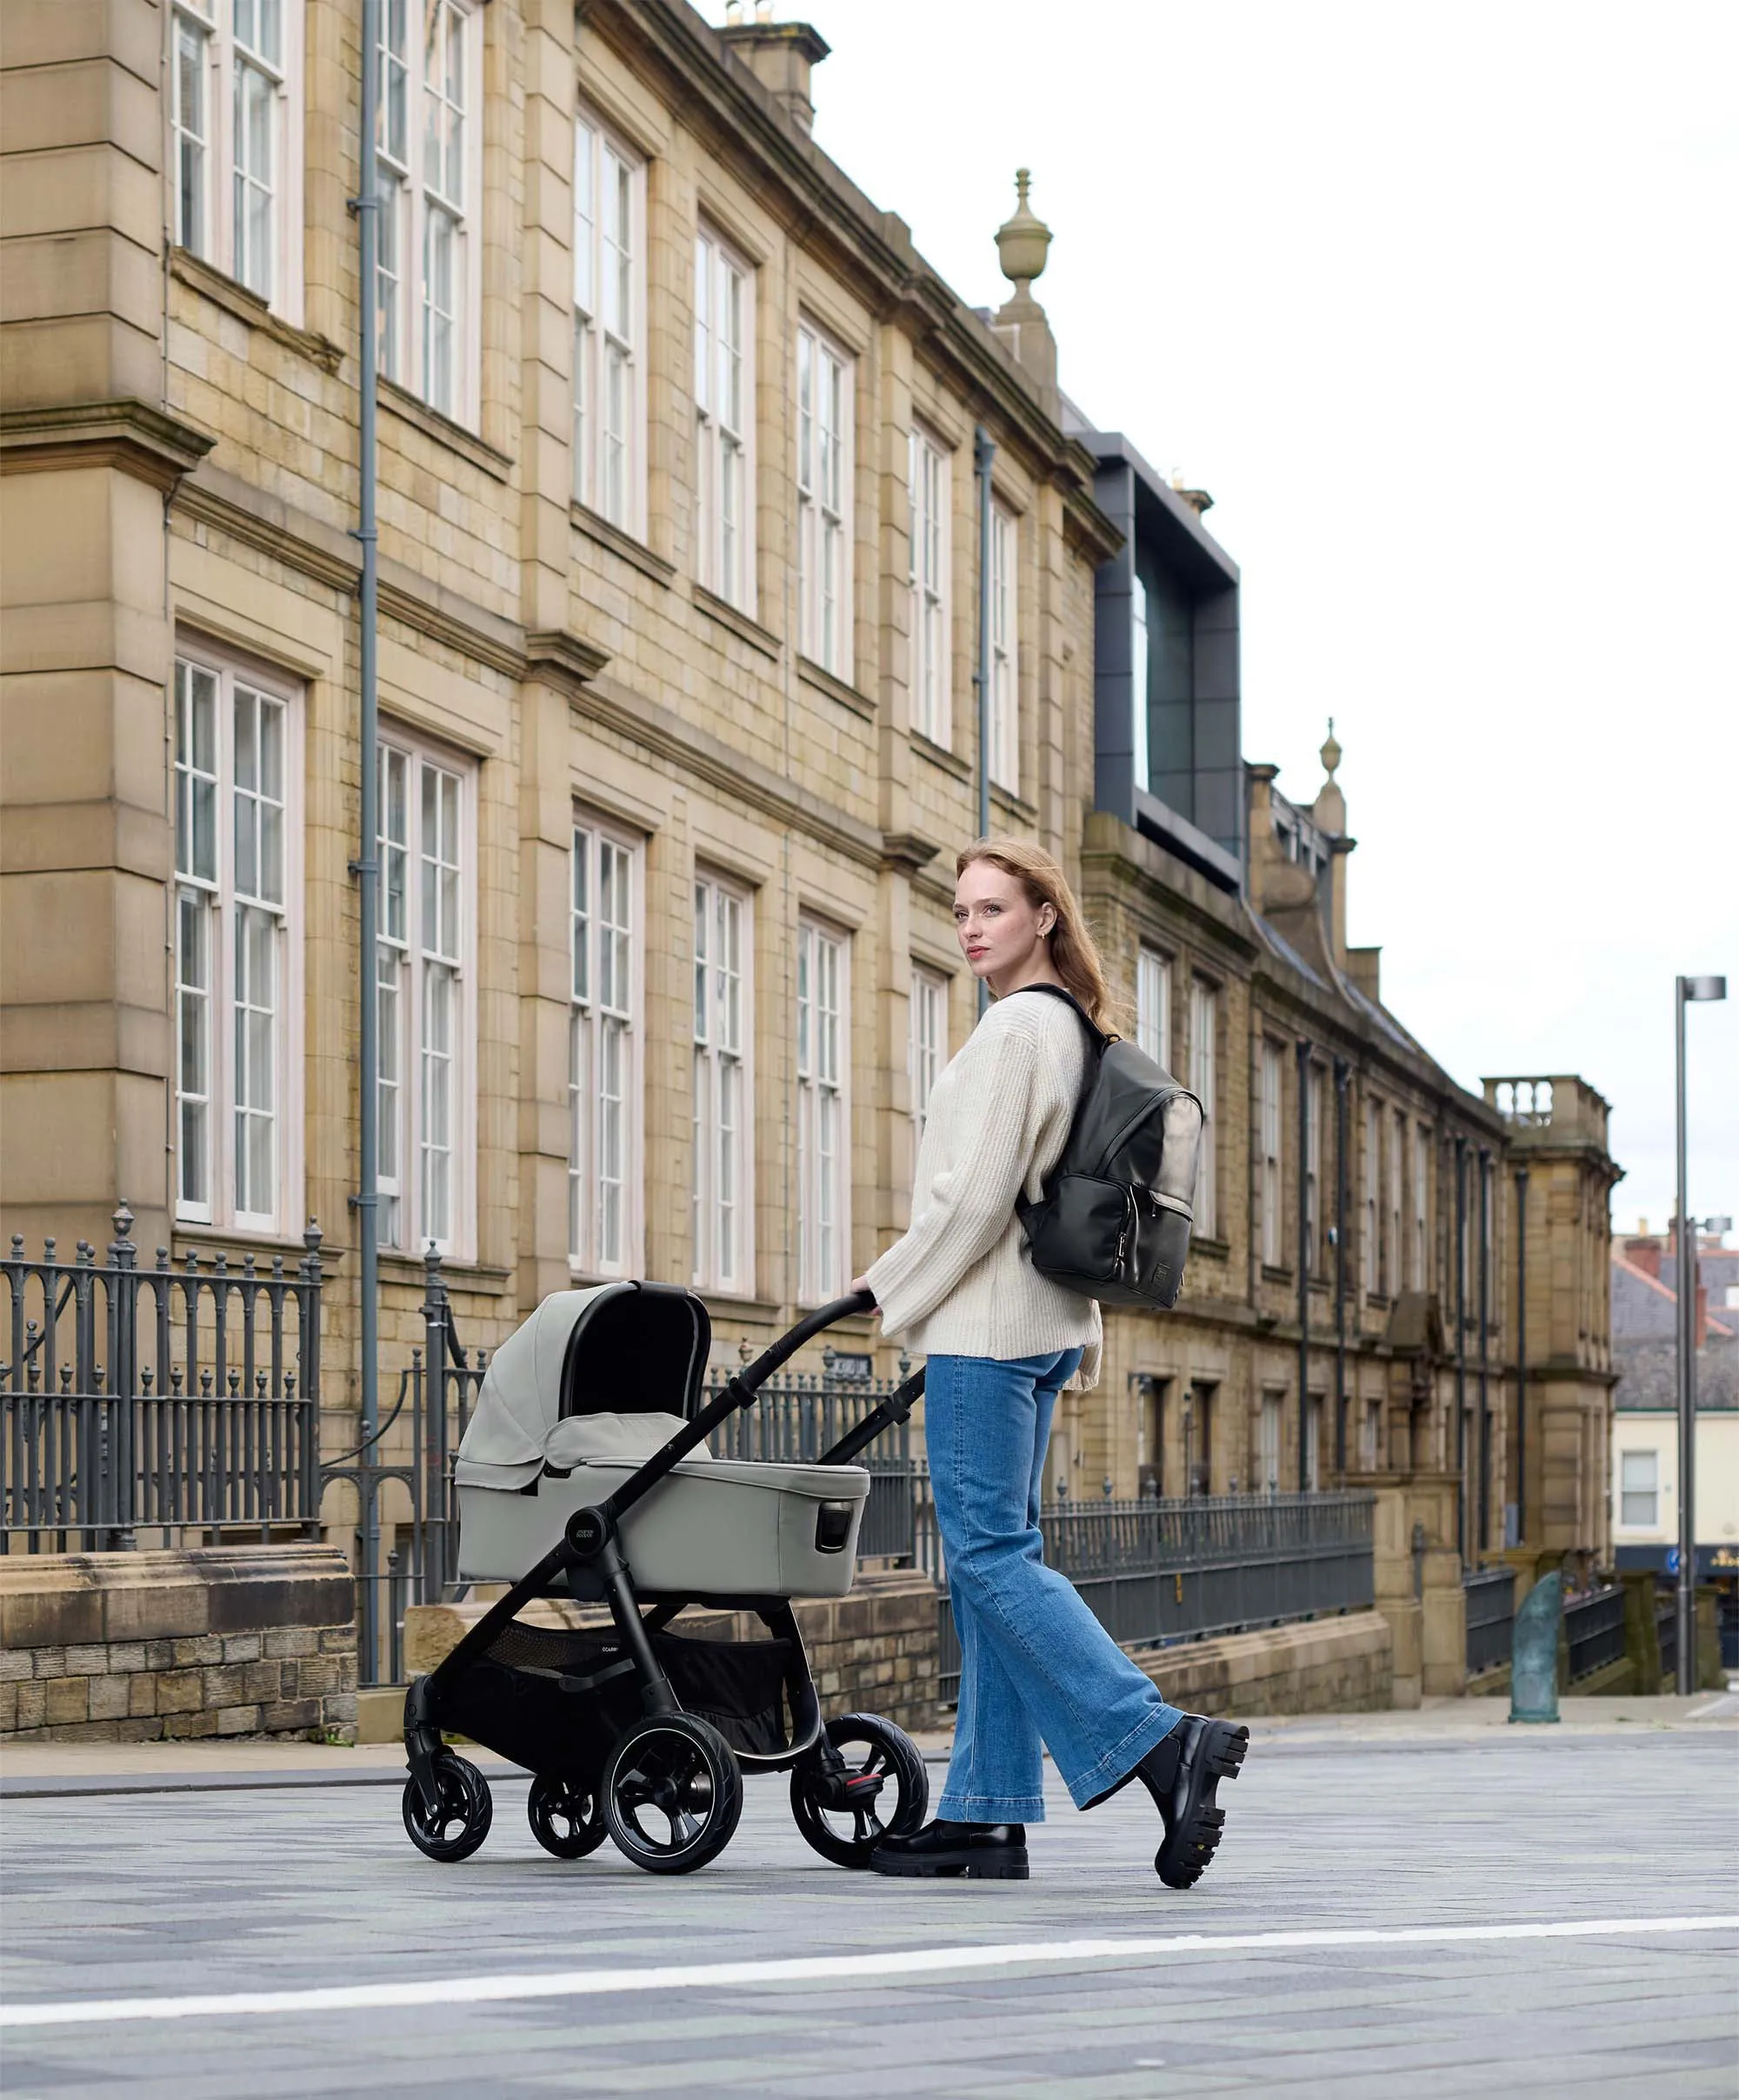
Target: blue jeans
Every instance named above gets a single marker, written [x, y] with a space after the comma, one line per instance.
[1034, 1663]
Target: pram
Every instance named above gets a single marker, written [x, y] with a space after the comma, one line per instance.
[586, 1462]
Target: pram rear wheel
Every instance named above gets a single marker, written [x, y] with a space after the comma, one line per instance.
[672, 1794]
[463, 1821]
[875, 1786]
[566, 1815]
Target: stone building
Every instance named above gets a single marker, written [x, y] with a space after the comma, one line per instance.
[677, 553]
[679, 560]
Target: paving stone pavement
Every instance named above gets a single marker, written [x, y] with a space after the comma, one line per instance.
[148, 1894]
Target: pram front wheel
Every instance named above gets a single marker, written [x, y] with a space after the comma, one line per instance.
[672, 1794]
[462, 1822]
[866, 1782]
[566, 1815]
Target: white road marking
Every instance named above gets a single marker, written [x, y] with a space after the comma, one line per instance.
[1728, 1704]
[810, 1969]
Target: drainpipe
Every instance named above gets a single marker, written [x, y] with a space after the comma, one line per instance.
[1484, 1537]
[1303, 1054]
[1342, 1075]
[983, 453]
[366, 866]
[1460, 1348]
[1521, 1355]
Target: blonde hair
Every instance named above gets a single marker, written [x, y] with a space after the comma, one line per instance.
[1074, 952]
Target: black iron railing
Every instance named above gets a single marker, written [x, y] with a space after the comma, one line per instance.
[1594, 1628]
[414, 1447]
[1490, 1594]
[1158, 1571]
[181, 1400]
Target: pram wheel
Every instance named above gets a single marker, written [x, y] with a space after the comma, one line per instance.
[877, 1788]
[566, 1816]
[462, 1822]
[672, 1794]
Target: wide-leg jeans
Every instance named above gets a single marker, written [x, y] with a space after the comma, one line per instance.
[1035, 1666]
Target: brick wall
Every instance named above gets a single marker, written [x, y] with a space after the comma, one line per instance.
[155, 1646]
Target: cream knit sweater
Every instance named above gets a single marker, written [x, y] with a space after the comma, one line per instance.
[961, 1282]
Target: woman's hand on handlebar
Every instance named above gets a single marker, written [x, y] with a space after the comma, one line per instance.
[859, 1282]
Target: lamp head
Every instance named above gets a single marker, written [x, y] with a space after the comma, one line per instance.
[1703, 988]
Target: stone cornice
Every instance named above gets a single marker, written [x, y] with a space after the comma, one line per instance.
[905, 853]
[130, 435]
[565, 658]
[660, 731]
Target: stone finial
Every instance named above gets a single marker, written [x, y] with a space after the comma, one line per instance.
[1024, 240]
[1330, 752]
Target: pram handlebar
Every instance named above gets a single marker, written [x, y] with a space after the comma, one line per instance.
[805, 1330]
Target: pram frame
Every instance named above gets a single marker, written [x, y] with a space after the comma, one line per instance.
[590, 1565]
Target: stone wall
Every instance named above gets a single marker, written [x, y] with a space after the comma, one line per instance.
[1320, 1666]
[873, 1652]
[205, 1641]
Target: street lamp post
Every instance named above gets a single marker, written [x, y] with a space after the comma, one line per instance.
[1686, 991]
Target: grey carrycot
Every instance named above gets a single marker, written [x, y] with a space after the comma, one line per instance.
[585, 1391]
[584, 1475]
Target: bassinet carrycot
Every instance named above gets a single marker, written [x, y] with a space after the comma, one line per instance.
[593, 1384]
[584, 1474]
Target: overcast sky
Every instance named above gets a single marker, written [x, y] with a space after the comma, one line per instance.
[1439, 302]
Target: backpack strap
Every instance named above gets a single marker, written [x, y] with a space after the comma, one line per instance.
[1101, 1041]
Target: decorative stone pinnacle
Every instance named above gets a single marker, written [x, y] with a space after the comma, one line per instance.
[1330, 753]
[1022, 240]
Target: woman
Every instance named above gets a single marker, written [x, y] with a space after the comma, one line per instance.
[1002, 1342]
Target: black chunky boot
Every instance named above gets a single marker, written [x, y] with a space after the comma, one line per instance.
[1182, 1772]
[978, 1851]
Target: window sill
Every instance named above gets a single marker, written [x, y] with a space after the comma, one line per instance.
[1272, 1272]
[1013, 805]
[188, 1237]
[1201, 1243]
[207, 279]
[740, 622]
[432, 423]
[472, 1277]
[822, 681]
[938, 754]
[726, 1300]
[623, 543]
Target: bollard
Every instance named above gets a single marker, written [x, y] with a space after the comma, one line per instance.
[1533, 1651]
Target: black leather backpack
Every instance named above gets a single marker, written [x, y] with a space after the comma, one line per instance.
[1114, 1220]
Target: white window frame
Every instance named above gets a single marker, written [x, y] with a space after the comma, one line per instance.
[425, 974]
[1634, 1489]
[606, 1053]
[1422, 1181]
[1371, 1435]
[213, 904]
[723, 1179]
[823, 1067]
[220, 51]
[1373, 1197]
[1394, 1242]
[430, 321]
[927, 1043]
[1270, 1442]
[1005, 649]
[1270, 1187]
[609, 325]
[1315, 1107]
[826, 384]
[725, 420]
[1204, 1013]
[1153, 1005]
[929, 491]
